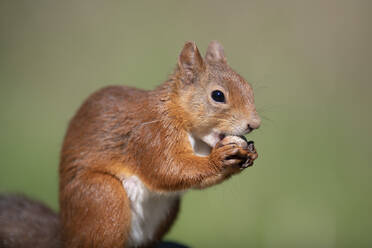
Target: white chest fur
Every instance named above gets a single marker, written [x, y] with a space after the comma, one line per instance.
[199, 147]
[148, 210]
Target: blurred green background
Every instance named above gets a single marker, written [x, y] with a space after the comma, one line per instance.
[308, 61]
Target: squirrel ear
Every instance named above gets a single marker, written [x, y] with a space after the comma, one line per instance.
[190, 61]
[215, 53]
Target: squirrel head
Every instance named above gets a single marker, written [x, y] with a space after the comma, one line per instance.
[215, 100]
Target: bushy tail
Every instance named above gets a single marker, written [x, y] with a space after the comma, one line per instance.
[25, 223]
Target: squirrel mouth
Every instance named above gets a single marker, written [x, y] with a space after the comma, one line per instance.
[221, 136]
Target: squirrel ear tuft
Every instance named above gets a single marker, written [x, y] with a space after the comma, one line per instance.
[190, 61]
[215, 53]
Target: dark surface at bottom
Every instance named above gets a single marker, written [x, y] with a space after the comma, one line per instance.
[170, 244]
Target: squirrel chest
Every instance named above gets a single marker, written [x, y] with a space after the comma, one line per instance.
[148, 210]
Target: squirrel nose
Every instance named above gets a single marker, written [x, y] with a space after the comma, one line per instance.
[254, 123]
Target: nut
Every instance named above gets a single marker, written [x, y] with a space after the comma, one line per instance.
[243, 143]
[239, 140]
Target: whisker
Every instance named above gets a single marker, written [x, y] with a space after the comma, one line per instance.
[266, 118]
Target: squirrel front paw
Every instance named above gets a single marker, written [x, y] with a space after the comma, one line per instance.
[234, 153]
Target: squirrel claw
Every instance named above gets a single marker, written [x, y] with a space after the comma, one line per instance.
[252, 155]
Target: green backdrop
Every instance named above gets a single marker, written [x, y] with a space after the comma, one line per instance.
[308, 61]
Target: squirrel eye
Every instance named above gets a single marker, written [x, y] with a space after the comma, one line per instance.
[218, 96]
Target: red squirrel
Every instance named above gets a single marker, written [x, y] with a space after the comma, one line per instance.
[130, 154]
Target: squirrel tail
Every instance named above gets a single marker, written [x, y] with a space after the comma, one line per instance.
[25, 223]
